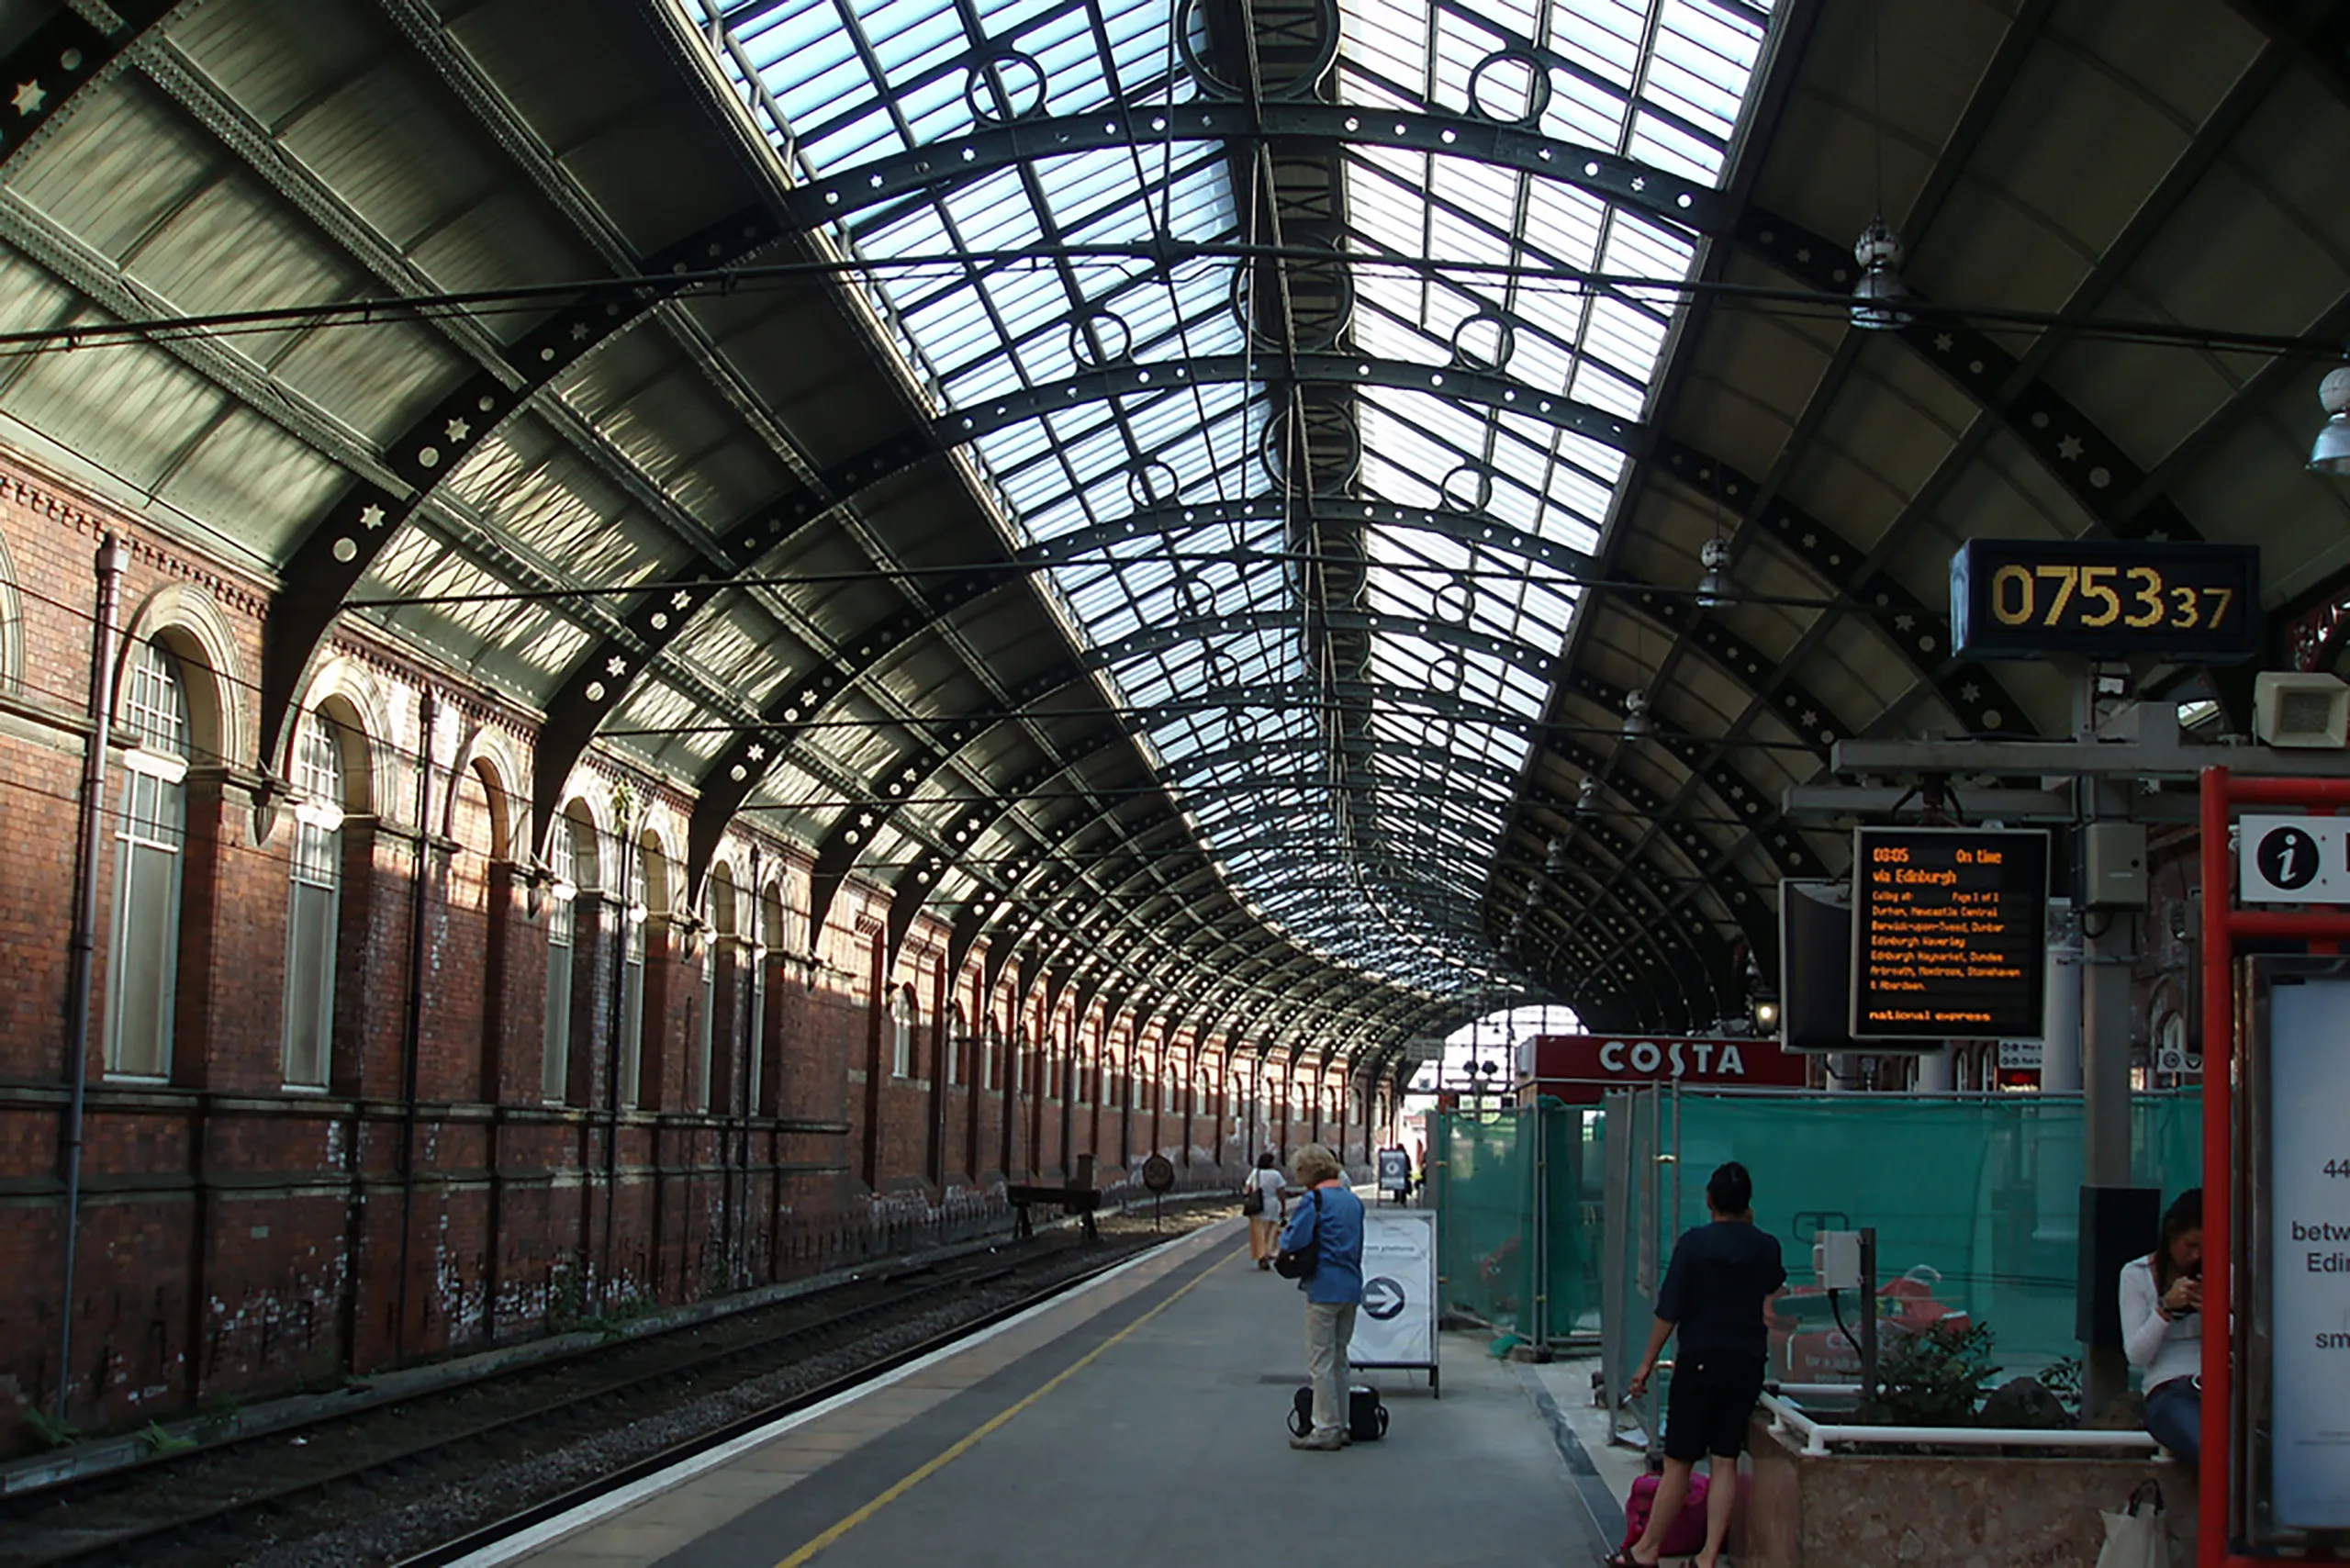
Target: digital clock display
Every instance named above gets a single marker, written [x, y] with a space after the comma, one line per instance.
[2110, 598]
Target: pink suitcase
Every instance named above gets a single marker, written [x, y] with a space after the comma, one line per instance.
[1685, 1536]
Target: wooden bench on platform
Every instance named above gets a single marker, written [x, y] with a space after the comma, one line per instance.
[1080, 1201]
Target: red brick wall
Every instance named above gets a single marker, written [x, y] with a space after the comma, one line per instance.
[238, 1237]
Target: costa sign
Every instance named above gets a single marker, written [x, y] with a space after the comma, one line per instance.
[1580, 1067]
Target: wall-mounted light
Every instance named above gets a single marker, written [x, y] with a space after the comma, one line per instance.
[2330, 454]
[1766, 1015]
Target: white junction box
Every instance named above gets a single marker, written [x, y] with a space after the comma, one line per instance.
[1836, 1260]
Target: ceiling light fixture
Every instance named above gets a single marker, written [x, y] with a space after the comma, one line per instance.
[1637, 725]
[2330, 452]
[1587, 796]
[1712, 584]
[1554, 857]
[1881, 287]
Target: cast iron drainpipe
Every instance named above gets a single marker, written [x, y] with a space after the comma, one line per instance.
[412, 1029]
[113, 557]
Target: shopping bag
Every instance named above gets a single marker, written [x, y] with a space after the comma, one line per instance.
[2136, 1537]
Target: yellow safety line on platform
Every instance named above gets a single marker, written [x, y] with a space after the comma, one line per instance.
[823, 1543]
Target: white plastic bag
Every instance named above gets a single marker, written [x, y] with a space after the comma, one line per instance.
[2136, 1537]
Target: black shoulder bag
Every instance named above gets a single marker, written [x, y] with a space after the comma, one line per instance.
[1300, 1263]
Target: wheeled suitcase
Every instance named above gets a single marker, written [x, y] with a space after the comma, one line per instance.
[1366, 1415]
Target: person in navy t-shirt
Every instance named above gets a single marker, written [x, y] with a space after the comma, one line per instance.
[1720, 1276]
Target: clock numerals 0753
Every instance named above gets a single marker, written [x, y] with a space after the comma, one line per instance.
[2134, 597]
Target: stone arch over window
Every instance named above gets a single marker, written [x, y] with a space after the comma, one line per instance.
[186, 622]
[486, 777]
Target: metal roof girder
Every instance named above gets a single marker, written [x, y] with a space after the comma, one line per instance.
[940, 167]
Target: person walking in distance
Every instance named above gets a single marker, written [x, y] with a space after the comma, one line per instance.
[1327, 1225]
[1722, 1274]
[1260, 1200]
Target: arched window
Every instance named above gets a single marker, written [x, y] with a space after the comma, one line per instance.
[570, 855]
[148, 842]
[315, 902]
[722, 923]
[641, 882]
[905, 1016]
[12, 626]
[766, 946]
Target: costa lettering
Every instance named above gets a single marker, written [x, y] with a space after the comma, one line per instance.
[1718, 1058]
[1580, 1068]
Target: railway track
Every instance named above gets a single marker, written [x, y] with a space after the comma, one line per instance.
[431, 1477]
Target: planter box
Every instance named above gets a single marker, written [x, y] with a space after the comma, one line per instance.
[1938, 1510]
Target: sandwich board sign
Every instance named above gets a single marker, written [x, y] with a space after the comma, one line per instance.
[1396, 1327]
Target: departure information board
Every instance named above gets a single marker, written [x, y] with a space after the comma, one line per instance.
[2105, 597]
[1949, 933]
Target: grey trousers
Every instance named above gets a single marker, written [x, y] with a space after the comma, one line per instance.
[1328, 1328]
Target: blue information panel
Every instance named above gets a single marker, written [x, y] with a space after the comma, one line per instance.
[2307, 1204]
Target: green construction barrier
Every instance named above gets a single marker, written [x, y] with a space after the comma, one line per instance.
[1485, 1169]
[1974, 1201]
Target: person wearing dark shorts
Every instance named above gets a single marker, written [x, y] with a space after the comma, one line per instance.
[1721, 1274]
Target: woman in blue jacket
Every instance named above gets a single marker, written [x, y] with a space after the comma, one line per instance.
[1329, 1219]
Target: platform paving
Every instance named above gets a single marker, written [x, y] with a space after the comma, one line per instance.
[1140, 1425]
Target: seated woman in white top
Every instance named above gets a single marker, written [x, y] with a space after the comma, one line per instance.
[2162, 1327]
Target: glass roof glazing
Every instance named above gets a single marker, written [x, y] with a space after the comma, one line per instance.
[990, 288]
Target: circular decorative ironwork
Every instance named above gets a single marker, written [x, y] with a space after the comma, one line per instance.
[1331, 444]
[1485, 340]
[1152, 483]
[1469, 488]
[1456, 599]
[1512, 74]
[1319, 296]
[1282, 80]
[1006, 85]
[1100, 338]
